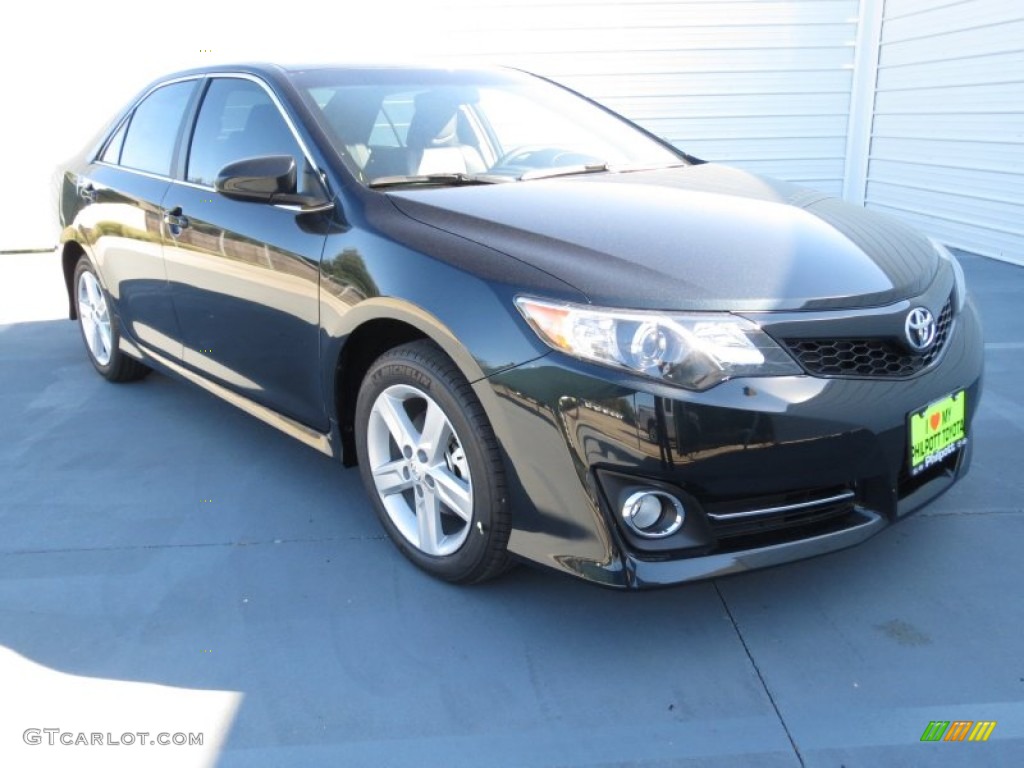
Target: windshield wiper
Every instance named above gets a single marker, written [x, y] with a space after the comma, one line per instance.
[564, 170]
[646, 167]
[575, 170]
[437, 179]
[468, 179]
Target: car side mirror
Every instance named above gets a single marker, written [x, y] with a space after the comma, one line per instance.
[268, 179]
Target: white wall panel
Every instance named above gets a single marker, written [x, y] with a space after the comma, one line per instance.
[944, 123]
[723, 84]
[732, 105]
[795, 63]
[970, 181]
[1002, 68]
[939, 17]
[709, 37]
[780, 149]
[947, 140]
[741, 82]
[1005, 157]
[957, 43]
[739, 129]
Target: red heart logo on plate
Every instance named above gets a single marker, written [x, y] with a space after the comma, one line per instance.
[936, 418]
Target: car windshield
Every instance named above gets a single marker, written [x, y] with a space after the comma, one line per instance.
[443, 127]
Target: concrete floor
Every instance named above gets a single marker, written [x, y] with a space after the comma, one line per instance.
[169, 564]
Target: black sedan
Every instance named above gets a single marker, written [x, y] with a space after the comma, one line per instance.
[539, 331]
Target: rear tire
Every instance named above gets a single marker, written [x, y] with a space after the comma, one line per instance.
[431, 465]
[99, 328]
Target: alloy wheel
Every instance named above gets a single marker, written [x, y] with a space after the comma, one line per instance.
[420, 470]
[94, 315]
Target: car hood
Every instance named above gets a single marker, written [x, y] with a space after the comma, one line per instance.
[698, 237]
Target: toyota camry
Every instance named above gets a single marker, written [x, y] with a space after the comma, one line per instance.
[540, 332]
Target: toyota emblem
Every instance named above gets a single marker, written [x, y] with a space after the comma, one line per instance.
[920, 329]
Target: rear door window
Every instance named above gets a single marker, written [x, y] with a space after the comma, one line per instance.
[153, 130]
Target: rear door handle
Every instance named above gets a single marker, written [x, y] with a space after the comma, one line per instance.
[175, 220]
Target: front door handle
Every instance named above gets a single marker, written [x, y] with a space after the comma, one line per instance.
[175, 220]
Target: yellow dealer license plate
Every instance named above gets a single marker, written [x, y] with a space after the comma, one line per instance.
[937, 431]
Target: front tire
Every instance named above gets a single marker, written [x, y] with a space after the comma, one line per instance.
[431, 465]
[99, 328]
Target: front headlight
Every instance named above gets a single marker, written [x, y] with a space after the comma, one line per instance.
[958, 273]
[695, 351]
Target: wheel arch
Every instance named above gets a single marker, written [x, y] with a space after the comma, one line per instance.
[71, 252]
[371, 329]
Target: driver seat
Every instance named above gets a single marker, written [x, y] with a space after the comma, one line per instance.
[433, 143]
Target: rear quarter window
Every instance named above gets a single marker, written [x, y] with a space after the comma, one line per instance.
[153, 130]
[112, 154]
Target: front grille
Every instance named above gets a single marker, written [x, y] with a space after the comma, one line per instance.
[868, 358]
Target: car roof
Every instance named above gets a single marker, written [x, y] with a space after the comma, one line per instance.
[276, 69]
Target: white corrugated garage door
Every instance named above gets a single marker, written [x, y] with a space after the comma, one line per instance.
[762, 84]
[947, 142]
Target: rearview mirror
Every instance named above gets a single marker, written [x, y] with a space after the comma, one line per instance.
[268, 179]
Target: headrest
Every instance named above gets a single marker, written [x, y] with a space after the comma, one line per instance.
[434, 123]
[351, 115]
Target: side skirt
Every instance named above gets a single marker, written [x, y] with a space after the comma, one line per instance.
[307, 435]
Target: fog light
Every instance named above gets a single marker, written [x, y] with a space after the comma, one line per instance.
[653, 514]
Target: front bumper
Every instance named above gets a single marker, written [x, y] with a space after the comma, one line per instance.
[574, 433]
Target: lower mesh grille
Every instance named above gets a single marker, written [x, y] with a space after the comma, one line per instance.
[753, 519]
[868, 358]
